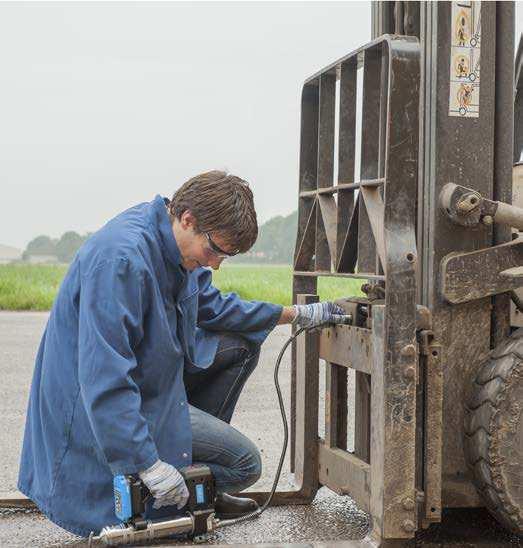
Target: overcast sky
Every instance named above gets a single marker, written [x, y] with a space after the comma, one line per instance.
[104, 105]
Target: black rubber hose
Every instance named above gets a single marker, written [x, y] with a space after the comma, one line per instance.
[257, 513]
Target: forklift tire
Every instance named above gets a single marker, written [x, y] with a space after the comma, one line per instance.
[494, 432]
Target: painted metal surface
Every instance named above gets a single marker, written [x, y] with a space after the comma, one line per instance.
[347, 346]
[430, 360]
[474, 153]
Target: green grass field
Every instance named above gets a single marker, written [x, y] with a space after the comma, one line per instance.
[31, 287]
[28, 287]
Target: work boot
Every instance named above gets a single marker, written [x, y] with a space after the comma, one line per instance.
[229, 507]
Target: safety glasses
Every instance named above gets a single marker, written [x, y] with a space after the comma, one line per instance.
[218, 251]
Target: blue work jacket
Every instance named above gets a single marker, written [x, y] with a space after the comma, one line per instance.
[107, 395]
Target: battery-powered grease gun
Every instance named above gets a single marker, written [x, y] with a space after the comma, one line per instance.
[199, 519]
[130, 496]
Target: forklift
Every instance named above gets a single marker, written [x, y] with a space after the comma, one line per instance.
[431, 222]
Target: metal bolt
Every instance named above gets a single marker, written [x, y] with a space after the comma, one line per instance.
[408, 525]
[487, 220]
[408, 350]
[468, 203]
[408, 504]
[410, 373]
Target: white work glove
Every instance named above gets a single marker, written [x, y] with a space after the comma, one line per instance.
[166, 485]
[310, 315]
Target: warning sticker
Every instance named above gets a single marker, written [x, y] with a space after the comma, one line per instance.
[465, 52]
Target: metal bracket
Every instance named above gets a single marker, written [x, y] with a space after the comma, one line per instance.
[469, 276]
[467, 207]
[423, 318]
[425, 341]
[430, 359]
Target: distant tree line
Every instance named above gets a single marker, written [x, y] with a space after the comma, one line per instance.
[63, 248]
[275, 243]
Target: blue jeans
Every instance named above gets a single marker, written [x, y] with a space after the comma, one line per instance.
[212, 394]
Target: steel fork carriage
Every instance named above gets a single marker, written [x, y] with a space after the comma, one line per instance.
[368, 232]
[364, 229]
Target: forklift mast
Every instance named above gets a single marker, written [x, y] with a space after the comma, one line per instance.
[473, 149]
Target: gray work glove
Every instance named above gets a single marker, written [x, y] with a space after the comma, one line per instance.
[310, 315]
[166, 485]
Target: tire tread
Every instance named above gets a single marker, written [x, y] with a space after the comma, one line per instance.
[487, 395]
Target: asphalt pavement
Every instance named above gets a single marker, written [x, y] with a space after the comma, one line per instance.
[328, 519]
[326, 523]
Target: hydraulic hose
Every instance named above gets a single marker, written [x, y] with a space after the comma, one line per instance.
[259, 511]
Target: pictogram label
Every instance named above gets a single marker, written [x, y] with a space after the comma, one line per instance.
[465, 55]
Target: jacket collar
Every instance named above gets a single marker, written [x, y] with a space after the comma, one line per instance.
[162, 222]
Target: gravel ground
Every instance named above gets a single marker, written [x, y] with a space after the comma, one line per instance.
[329, 518]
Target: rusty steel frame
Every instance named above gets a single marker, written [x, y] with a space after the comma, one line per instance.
[368, 232]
